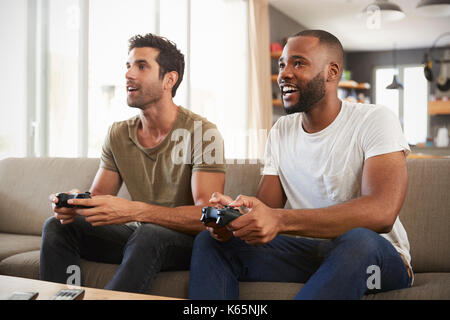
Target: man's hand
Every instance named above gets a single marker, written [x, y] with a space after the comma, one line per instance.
[219, 200]
[64, 215]
[219, 233]
[259, 226]
[107, 210]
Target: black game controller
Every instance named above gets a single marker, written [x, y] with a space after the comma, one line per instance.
[221, 216]
[63, 197]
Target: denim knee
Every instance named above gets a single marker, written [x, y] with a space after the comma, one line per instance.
[204, 240]
[361, 241]
[51, 225]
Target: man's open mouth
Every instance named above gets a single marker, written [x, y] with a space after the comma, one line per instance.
[131, 89]
[287, 90]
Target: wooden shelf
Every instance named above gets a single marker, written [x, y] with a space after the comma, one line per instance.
[276, 54]
[438, 107]
[349, 84]
[274, 78]
[277, 103]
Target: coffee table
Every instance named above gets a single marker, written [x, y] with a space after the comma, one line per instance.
[46, 290]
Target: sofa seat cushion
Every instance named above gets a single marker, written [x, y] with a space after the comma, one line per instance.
[24, 265]
[11, 244]
[427, 286]
[168, 283]
[175, 283]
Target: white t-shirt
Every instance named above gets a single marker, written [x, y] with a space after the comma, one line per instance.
[322, 169]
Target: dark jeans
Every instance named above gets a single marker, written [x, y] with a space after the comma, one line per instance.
[141, 251]
[342, 268]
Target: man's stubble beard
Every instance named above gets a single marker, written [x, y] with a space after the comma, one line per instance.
[309, 95]
[144, 101]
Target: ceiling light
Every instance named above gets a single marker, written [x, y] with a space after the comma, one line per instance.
[389, 11]
[395, 84]
[434, 8]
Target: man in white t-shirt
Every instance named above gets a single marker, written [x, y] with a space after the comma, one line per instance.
[334, 179]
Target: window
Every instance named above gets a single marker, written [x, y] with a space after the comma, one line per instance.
[63, 66]
[409, 104]
[108, 53]
[219, 54]
[13, 86]
[79, 69]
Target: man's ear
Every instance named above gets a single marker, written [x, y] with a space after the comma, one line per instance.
[334, 72]
[170, 79]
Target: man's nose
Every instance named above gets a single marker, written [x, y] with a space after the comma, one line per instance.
[130, 73]
[284, 74]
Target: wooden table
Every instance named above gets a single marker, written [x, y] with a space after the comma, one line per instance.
[46, 290]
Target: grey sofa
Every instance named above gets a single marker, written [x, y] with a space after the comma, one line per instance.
[25, 184]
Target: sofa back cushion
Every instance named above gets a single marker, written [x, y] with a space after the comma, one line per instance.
[26, 183]
[426, 214]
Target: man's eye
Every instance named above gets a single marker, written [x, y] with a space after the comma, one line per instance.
[298, 63]
[141, 67]
[281, 66]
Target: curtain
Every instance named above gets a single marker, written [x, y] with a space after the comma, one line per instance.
[260, 86]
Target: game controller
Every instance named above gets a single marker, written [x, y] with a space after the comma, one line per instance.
[221, 216]
[63, 197]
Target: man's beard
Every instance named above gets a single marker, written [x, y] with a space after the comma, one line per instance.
[146, 97]
[309, 95]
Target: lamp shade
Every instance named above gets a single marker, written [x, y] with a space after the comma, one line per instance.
[389, 11]
[434, 8]
[395, 84]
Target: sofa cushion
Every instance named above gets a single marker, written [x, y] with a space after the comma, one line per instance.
[175, 283]
[11, 244]
[25, 265]
[242, 178]
[426, 215]
[427, 286]
[27, 183]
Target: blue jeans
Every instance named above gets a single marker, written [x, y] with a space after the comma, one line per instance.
[331, 269]
[141, 251]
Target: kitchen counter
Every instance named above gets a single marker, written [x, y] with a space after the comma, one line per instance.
[432, 151]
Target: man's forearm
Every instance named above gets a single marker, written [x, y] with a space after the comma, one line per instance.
[333, 221]
[184, 218]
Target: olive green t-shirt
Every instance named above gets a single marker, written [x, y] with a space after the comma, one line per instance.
[162, 175]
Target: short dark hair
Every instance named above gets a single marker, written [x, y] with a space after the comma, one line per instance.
[169, 57]
[325, 38]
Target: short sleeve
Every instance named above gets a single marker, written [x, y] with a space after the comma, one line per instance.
[271, 155]
[208, 152]
[107, 158]
[381, 133]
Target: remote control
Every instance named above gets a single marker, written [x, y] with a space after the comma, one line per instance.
[19, 295]
[68, 294]
[63, 197]
[221, 216]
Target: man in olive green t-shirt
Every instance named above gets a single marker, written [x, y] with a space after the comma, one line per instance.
[171, 161]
